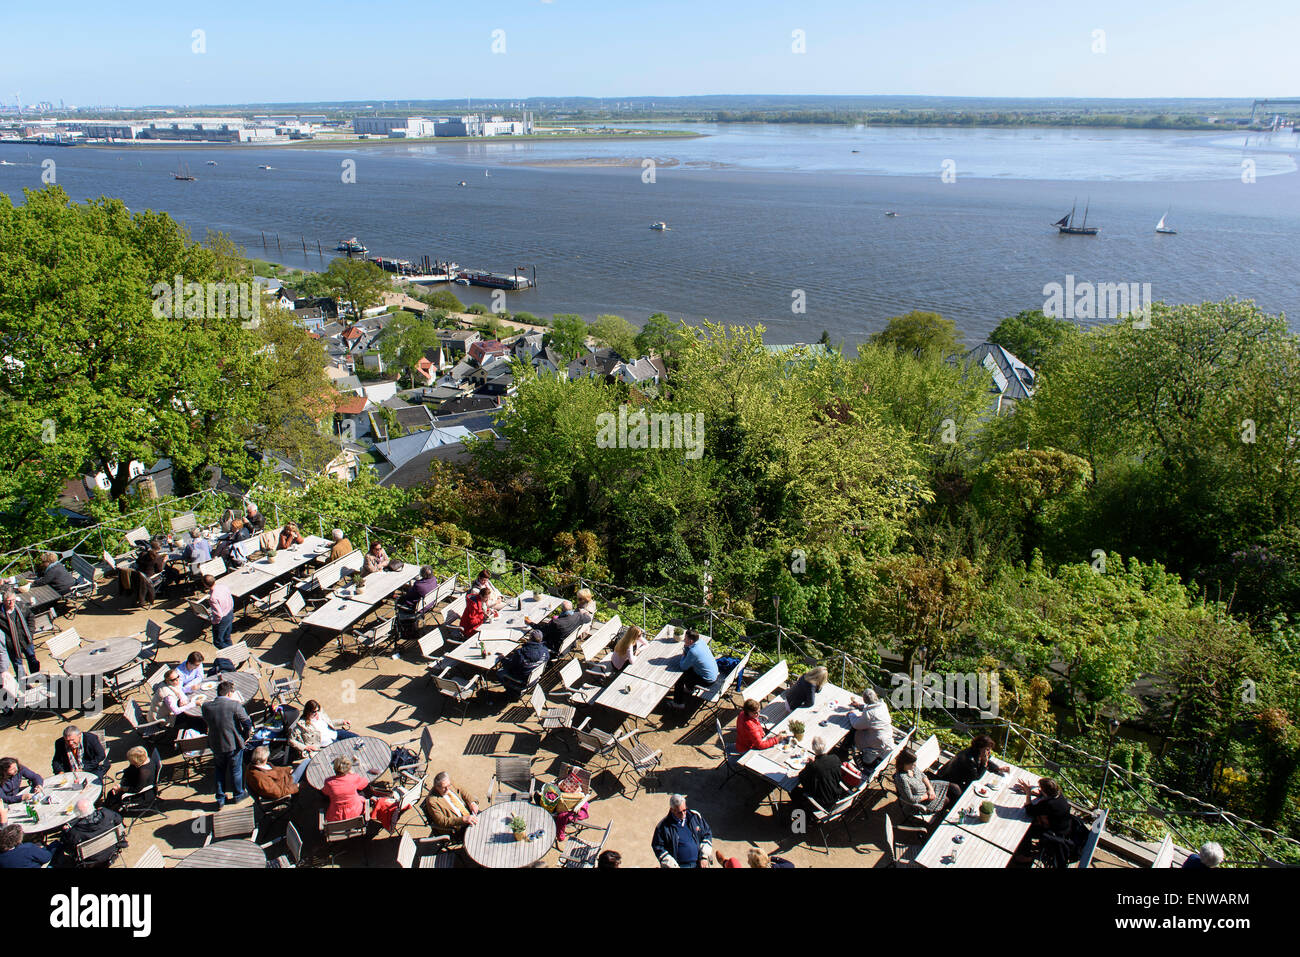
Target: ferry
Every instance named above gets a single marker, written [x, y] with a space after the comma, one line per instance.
[476, 277]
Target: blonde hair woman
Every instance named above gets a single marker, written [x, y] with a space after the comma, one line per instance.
[804, 692]
[625, 649]
[585, 602]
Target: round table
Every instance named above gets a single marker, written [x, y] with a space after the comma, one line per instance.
[102, 657]
[235, 853]
[247, 685]
[62, 809]
[491, 843]
[370, 758]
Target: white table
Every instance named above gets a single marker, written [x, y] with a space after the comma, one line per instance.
[103, 657]
[242, 582]
[491, 843]
[467, 653]
[1010, 821]
[951, 846]
[647, 680]
[63, 795]
[286, 560]
[347, 605]
[828, 718]
[502, 635]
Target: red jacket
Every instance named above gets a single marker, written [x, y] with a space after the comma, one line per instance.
[749, 734]
[472, 618]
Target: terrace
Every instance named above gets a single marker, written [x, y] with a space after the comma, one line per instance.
[387, 691]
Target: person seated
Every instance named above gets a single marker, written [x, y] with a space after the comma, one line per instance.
[76, 751]
[376, 558]
[755, 858]
[626, 648]
[448, 809]
[313, 730]
[683, 838]
[90, 822]
[820, 778]
[419, 590]
[50, 571]
[171, 704]
[699, 669]
[227, 521]
[1049, 810]
[1209, 854]
[152, 561]
[518, 668]
[969, 765]
[556, 630]
[609, 859]
[803, 693]
[918, 796]
[13, 775]
[749, 730]
[341, 545]
[15, 853]
[290, 536]
[475, 613]
[873, 730]
[199, 550]
[343, 791]
[267, 781]
[141, 772]
[191, 672]
[239, 531]
[493, 600]
[254, 520]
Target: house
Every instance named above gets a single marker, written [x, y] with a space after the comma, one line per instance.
[351, 418]
[456, 342]
[400, 450]
[348, 383]
[642, 371]
[481, 350]
[596, 364]
[467, 403]
[548, 360]
[527, 346]
[1012, 379]
[411, 418]
[415, 471]
[379, 391]
[438, 394]
[493, 369]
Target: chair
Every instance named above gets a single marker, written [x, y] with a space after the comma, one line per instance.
[284, 690]
[596, 643]
[144, 802]
[125, 680]
[192, 753]
[63, 644]
[730, 759]
[100, 843]
[907, 857]
[838, 814]
[237, 656]
[184, 523]
[151, 732]
[430, 645]
[1165, 856]
[138, 537]
[150, 639]
[199, 607]
[570, 678]
[371, 641]
[1090, 844]
[417, 771]
[411, 853]
[637, 758]
[551, 718]
[216, 567]
[44, 623]
[513, 781]
[150, 859]
[768, 682]
[271, 602]
[294, 606]
[598, 742]
[232, 822]
[459, 690]
[581, 853]
[293, 843]
[341, 832]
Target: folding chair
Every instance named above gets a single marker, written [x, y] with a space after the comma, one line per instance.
[144, 802]
[637, 758]
[150, 859]
[371, 642]
[571, 679]
[430, 645]
[271, 602]
[63, 644]
[342, 832]
[906, 857]
[459, 690]
[186, 522]
[581, 853]
[513, 781]
[125, 680]
[551, 718]
[293, 844]
[598, 742]
[730, 759]
[284, 690]
[412, 853]
[416, 772]
[115, 838]
[232, 822]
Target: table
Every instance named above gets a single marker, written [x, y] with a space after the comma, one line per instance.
[287, 560]
[102, 657]
[347, 606]
[491, 843]
[829, 718]
[648, 679]
[62, 809]
[467, 652]
[233, 853]
[367, 754]
[247, 685]
[40, 597]
[1010, 821]
[243, 581]
[970, 851]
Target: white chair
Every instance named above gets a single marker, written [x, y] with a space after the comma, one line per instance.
[63, 644]
[552, 719]
[571, 679]
[138, 536]
[637, 758]
[272, 601]
[768, 682]
[289, 688]
[215, 567]
[184, 523]
[430, 645]
[151, 858]
[459, 690]
[907, 856]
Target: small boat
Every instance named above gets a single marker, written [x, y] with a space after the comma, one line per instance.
[486, 173]
[7, 163]
[212, 162]
[1163, 229]
[462, 183]
[891, 214]
[853, 151]
[659, 226]
[350, 246]
[1067, 228]
[183, 173]
[266, 167]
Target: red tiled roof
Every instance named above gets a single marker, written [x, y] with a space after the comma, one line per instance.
[351, 405]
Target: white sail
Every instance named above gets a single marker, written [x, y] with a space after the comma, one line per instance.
[1161, 224]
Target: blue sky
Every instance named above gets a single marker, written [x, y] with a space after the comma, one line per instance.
[99, 53]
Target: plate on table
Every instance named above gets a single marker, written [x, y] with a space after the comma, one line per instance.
[994, 785]
[207, 685]
[982, 791]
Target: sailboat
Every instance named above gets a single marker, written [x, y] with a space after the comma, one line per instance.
[1162, 228]
[183, 173]
[1066, 223]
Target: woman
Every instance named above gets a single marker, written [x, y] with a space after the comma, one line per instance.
[917, 794]
[873, 730]
[238, 531]
[140, 773]
[585, 603]
[626, 648]
[493, 600]
[171, 704]
[804, 691]
[376, 558]
[474, 615]
[313, 730]
[290, 536]
[344, 792]
[152, 561]
[749, 730]
[227, 520]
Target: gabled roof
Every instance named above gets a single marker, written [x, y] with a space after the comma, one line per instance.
[404, 448]
[1012, 379]
[351, 405]
[349, 383]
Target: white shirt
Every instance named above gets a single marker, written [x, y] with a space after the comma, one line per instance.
[322, 724]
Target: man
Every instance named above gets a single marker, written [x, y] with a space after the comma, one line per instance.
[17, 630]
[341, 545]
[1210, 854]
[518, 667]
[199, 550]
[1049, 810]
[683, 838]
[14, 853]
[555, 630]
[76, 751]
[191, 672]
[873, 730]
[256, 521]
[448, 809]
[221, 609]
[699, 669]
[53, 573]
[269, 782]
[820, 778]
[12, 776]
[968, 765]
[89, 823]
[228, 729]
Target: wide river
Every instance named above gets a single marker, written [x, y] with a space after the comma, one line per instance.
[760, 216]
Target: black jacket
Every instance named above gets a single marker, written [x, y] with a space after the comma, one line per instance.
[520, 665]
[964, 768]
[82, 830]
[58, 578]
[94, 759]
[17, 629]
[821, 781]
[228, 725]
[1055, 809]
[561, 627]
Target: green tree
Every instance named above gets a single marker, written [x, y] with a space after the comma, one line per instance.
[1030, 335]
[360, 283]
[920, 333]
[568, 335]
[660, 335]
[406, 340]
[617, 333]
[445, 299]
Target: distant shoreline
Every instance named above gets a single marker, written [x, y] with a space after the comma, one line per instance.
[354, 144]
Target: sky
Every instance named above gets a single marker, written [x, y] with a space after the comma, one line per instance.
[146, 52]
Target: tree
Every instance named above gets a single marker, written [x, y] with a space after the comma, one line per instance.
[1030, 335]
[920, 607]
[617, 333]
[920, 333]
[358, 282]
[445, 299]
[568, 335]
[297, 397]
[406, 340]
[1024, 489]
[659, 336]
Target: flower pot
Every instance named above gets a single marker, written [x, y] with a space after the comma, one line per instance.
[521, 835]
[986, 816]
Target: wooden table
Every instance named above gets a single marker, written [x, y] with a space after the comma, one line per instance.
[247, 685]
[102, 657]
[234, 853]
[62, 809]
[828, 718]
[242, 582]
[367, 754]
[951, 846]
[648, 679]
[491, 843]
[347, 606]
[1010, 821]
[467, 652]
[287, 560]
[40, 597]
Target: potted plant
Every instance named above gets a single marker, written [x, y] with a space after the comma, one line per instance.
[519, 827]
[986, 811]
[797, 729]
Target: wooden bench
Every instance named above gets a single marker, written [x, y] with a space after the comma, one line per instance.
[713, 696]
[768, 682]
[1165, 856]
[1094, 836]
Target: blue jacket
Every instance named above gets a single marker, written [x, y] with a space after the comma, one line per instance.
[664, 843]
[9, 790]
[25, 855]
[700, 659]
